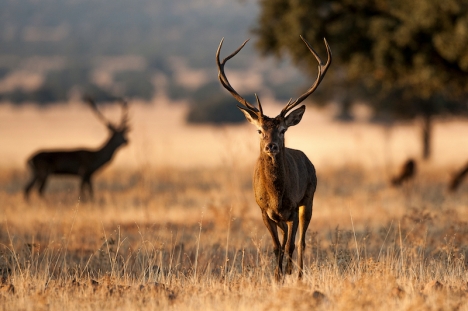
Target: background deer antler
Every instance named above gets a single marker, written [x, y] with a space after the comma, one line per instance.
[93, 106]
[124, 119]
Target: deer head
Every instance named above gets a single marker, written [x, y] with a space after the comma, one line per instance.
[272, 130]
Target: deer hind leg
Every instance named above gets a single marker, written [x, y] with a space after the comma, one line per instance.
[86, 182]
[29, 186]
[90, 189]
[292, 229]
[271, 226]
[305, 215]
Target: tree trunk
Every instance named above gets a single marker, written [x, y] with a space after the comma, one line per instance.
[426, 136]
[345, 110]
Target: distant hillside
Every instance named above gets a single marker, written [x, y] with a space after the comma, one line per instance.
[54, 50]
[82, 32]
[149, 28]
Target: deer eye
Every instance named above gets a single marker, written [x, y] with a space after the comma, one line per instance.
[259, 132]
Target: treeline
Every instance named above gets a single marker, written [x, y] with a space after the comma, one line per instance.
[84, 32]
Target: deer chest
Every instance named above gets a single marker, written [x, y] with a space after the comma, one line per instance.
[277, 209]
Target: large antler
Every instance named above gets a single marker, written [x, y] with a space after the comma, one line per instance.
[322, 69]
[123, 121]
[225, 82]
[93, 106]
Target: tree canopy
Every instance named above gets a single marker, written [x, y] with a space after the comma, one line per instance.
[406, 58]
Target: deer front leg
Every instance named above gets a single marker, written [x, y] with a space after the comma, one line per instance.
[289, 249]
[42, 183]
[271, 226]
[90, 188]
[305, 215]
[284, 230]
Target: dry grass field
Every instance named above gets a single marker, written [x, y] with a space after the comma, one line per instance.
[174, 224]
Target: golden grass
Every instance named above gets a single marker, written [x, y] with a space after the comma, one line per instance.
[174, 224]
[192, 239]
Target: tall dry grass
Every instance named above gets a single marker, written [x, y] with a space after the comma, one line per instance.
[193, 239]
[174, 224]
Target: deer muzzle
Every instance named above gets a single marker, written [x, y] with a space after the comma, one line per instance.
[271, 148]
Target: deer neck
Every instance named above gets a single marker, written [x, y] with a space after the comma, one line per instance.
[273, 171]
[106, 152]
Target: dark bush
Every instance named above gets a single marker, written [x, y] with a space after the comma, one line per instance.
[176, 91]
[212, 105]
[135, 84]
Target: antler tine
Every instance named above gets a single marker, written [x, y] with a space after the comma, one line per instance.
[259, 104]
[93, 106]
[225, 82]
[322, 70]
[124, 119]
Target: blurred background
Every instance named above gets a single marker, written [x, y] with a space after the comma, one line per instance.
[396, 89]
[176, 204]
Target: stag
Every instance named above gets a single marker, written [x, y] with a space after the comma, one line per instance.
[407, 172]
[284, 179]
[458, 178]
[79, 162]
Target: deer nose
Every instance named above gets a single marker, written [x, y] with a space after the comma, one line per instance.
[271, 148]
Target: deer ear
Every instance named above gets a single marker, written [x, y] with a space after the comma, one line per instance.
[295, 117]
[251, 116]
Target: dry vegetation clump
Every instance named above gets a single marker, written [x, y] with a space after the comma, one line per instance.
[194, 240]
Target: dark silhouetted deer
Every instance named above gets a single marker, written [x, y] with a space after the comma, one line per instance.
[284, 179]
[80, 162]
[458, 178]
[407, 172]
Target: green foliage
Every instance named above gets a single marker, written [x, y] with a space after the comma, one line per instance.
[405, 57]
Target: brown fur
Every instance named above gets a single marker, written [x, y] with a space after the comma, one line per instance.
[284, 179]
[284, 186]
